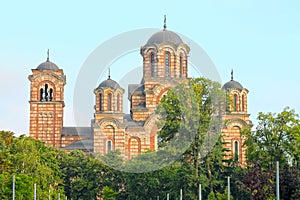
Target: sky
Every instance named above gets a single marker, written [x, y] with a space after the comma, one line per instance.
[259, 40]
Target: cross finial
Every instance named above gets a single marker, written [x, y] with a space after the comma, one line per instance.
[165, 22]
[108, 73]
[48, 55]
[232, 74]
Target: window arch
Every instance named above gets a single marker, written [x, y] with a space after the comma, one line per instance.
[243, 102]
[152, 65]
[167, 63]
[100, 102]
[185, 66]
[109, 146]
[234, 102]
[118, 102]
[236, 150]
[46, 92]
[109, 102]
[180, 65]
[50, 94]
[41, 94]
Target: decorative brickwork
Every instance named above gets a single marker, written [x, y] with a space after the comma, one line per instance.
[165, 64]
[46, 104]
[234, 120]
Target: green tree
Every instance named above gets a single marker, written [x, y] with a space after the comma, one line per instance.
[193, 110]
[276, 138]
[40, 162]
[6, 139]
[211, 196]
[30, 161]
[109, 194]
[224, 196]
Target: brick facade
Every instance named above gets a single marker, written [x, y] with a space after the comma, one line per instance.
[165, 64]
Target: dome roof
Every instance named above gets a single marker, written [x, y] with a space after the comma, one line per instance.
[47, 66]
[232, 85]
[109, 83]
[164, 36]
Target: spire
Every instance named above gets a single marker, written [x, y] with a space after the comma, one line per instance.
[165, 22]
[232, 74]
[48, 55]
[108, 73]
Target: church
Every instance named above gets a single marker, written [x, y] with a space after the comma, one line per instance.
[165, 61]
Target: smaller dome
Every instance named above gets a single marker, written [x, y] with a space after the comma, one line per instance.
[232, 85]
[164, 36]
[47, 66]
[109, 83]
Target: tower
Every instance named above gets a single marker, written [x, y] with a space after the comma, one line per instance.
[47, 83]
[165, 64]
[235, 118]
[108, 126]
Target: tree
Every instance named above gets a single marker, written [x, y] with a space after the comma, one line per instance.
[260, 183]
[290, 182]
[6, 139]
[40, 162]
[191, 112]
[30, 161]
[82, 178]
[109, 194]
[276, 139]
[224, 196]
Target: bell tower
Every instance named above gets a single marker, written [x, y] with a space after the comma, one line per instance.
[47, 83]
[235, 118]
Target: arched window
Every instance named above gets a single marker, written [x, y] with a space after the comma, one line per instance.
[118, 102]
[167, 63]
[51, 95]
[185, 67]
[152, 65]
[46, 92]
[108, 146]
[41, 94]
[236, 150]
[234, 102]
[100, 102]
[109, 102]
[243, 102]
[180, 65]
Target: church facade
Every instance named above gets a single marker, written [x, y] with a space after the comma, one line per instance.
[165, 63]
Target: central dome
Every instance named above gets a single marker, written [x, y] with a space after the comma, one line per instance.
[165, 36]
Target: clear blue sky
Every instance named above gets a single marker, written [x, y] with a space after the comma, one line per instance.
[260, 40]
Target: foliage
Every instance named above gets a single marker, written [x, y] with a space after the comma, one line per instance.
[290, 182]
[211, 196]
[276, 139]
[224, 196]
[193, 110]
[31, 162]
[177, 165]
[108, 193]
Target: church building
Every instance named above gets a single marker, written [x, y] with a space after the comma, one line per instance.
[165, 62]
